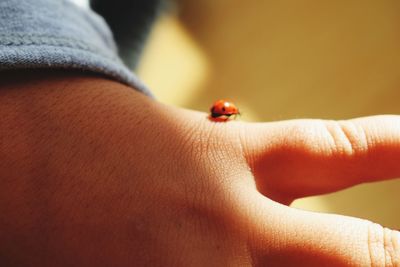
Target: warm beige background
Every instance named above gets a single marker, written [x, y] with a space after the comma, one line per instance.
[286, 59]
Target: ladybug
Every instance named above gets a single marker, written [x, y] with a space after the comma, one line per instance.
[223, 109]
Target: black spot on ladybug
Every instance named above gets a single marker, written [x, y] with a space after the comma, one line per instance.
[223, 109]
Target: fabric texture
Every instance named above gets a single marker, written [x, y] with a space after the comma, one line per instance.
[130, 22]
[59, 34]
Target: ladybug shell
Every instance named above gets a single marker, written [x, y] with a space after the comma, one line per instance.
[223, 108]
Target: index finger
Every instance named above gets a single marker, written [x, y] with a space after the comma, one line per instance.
[298, 158]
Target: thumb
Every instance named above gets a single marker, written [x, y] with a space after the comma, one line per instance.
[285, 236]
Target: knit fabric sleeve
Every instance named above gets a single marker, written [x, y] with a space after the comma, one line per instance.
[58, 34]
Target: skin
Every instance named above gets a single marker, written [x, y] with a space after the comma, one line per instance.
[94, 173]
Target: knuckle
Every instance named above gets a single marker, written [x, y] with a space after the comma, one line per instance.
[199, 154]
[347, 138]
[383, 246]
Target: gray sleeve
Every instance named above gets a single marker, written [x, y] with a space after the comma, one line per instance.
[58, 34]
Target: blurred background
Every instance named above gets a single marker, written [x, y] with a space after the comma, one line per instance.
[282, 60]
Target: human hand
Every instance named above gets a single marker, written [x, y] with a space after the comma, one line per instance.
[95, 174]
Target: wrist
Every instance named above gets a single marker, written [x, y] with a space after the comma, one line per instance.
[57, 130]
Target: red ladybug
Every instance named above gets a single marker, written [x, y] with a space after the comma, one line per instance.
[223, 109]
